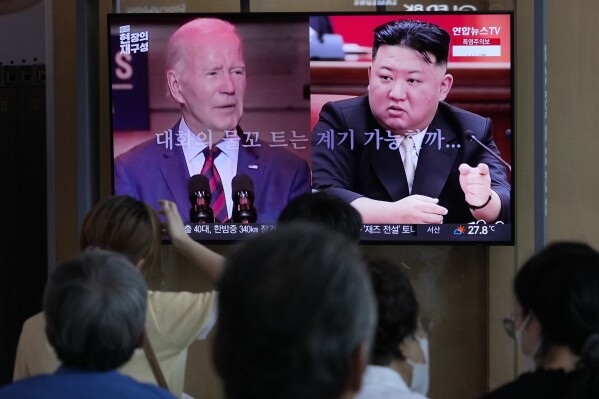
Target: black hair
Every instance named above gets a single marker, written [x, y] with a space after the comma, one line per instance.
[327, 210]
[423, 37]
[294, 305]
[95, 308]
[560, 286]
[397, 310]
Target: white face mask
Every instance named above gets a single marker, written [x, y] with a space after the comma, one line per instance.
[420, 371]
[529, 360]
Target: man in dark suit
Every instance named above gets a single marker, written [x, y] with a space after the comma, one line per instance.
[400, 154]
[206, 76]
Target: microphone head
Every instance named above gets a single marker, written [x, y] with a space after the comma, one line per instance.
[199, 184]
[470, 134]
[242, 187]
[243, 184]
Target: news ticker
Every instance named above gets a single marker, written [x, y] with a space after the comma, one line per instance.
[454, 233]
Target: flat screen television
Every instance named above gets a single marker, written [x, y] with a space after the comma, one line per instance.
[294, 63]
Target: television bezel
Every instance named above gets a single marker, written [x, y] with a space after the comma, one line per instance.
[236, 16]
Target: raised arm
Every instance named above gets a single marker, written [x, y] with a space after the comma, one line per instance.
[204, 258]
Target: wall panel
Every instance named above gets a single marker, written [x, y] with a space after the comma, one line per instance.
[573, 84]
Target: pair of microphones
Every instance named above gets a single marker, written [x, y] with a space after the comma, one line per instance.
[242, 188]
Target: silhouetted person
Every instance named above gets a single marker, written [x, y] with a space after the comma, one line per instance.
[296, 316]
[95, 308]
[556, 325]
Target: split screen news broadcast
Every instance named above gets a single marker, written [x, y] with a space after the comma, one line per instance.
[407, 117]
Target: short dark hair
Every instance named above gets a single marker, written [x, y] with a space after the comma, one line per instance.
[560, 286]
[327, 210]
[423, 37]
[95, 309]
[294, 306]
[397, 309]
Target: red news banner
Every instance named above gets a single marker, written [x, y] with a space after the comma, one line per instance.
[475, 38]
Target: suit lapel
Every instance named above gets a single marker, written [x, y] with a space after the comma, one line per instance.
[249, 161]
[388, 167]
[174, 170]
[435, 161]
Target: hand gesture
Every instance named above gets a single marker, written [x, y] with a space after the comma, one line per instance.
[475, 183]
[174, 224]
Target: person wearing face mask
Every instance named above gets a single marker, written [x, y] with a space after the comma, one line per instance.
[398, 365]
[415, 369]
[532, 354]
[556, 324]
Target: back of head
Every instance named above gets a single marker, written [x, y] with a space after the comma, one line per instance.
[423, 37]
[326, 210]
[295, 304]
[125, 225]
[397, 310]
[560, 285]
[95, 308]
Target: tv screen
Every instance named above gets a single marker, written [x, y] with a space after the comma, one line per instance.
[265, 107]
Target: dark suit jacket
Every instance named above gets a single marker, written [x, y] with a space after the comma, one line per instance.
[151, 171]
[379, 173]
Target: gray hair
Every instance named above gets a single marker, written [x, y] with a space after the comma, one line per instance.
[95, 307]
[294, 305]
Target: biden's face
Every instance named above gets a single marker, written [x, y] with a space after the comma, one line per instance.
[212, 82]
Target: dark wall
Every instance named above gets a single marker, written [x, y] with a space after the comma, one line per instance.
[23, 203]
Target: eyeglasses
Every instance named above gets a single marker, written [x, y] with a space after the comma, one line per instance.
[509, 325]
[509, 322]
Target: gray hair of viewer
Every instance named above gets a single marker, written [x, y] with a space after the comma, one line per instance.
[95, 308]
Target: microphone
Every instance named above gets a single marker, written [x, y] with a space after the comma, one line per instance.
[200, 196]
[470, 135]
[243, 200]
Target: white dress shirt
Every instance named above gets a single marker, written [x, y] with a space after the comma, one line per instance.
[381, 382]
[226, 162]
